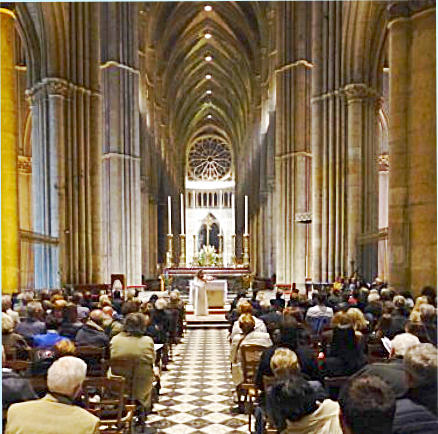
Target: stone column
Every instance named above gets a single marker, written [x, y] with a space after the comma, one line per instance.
[9, 136]
[412, 145]
[292, 143]
[121, 153]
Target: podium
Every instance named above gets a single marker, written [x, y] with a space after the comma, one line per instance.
[216, 293]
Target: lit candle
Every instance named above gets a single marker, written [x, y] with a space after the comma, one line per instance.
[246, 215]
[182, 214]
[169, 214]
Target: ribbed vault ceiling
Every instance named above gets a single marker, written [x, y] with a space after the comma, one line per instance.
[178, 35]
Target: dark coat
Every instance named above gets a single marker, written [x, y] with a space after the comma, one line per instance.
[91, 334]
[15, 389]
[412, 418]
[393, 372]
[30, 327]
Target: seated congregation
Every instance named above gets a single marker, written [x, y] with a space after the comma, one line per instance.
[347, 359]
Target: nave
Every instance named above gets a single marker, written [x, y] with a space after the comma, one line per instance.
[196, 392]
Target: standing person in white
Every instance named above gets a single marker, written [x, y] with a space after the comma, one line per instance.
[200, 296]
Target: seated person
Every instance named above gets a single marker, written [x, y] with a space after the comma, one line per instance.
[43, 359]
[249, 336]
[15, 388]
[319, 315]
[293, 406]
[278, 302]
[70, 324]
[131, 343]
[13, 343]
[345, 355]
[111, 326]
[393, 371]
[55, 412]
[7, 309]
[245, 308]
[367, 406]
[421, 366]
[31, 325]
[92, 333]
[269, 315]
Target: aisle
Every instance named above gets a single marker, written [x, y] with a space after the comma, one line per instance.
[196, 394]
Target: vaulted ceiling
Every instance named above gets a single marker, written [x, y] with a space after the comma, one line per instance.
[208, 56]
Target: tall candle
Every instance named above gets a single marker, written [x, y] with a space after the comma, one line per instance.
[246, 215]
[233, 207]
[182, 214]
[169, 214]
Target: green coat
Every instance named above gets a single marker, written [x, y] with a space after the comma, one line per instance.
[142, 349]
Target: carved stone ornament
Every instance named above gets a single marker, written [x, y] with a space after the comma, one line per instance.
[24, 164]
[405, 9]
[48, 86]
[358, 91]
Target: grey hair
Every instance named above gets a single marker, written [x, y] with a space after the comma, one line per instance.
[373, 297]
[33, 308]
[402, 342]
[427, 312]
[421, 363]
[160, 304]
[66, 375]
[399, 301]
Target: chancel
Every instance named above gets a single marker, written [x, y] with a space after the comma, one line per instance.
[219, 216]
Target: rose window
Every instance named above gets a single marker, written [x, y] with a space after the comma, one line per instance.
[209, 160]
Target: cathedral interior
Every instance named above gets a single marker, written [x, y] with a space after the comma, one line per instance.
[302, 134]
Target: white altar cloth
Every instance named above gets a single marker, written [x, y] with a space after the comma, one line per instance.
[213, 287]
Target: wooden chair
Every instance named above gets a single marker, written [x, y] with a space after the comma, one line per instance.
[95, 358]
[268, 381]
[128, 368]
[104, 397]
[251, 355]
[18, 365]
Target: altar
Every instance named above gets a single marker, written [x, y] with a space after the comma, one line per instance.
[216, 293]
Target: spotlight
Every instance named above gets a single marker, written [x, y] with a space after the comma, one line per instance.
[209, 116]
[208, 58]
[207, 35]
[208, 76]
[208, 8]
[208, 92]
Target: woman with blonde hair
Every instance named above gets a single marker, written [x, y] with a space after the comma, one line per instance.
[284, 362]
[360, 324]
[415, 315]
[248, 336]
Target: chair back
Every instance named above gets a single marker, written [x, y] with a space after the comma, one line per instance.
[104, 397]
[318, 324]
[95, 359]
[128, 369]
[251, 355]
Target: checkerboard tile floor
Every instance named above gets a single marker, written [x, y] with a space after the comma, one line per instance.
[196, 392]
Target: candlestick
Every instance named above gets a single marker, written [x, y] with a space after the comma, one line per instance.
[246, 215]
[182, 215]
[169, 214]
[182, 255]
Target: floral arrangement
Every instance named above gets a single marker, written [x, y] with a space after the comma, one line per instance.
[208, 256]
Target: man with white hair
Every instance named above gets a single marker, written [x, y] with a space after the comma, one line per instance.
[56, 412]
[393, 371]
[417, 411]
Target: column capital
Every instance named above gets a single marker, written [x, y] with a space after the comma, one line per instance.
[405, 9]
[358, 92]
[48, 86]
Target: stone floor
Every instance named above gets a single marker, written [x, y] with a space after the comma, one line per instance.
[196, 393]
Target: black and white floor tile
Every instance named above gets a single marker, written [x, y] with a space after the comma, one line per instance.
[197, 391]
